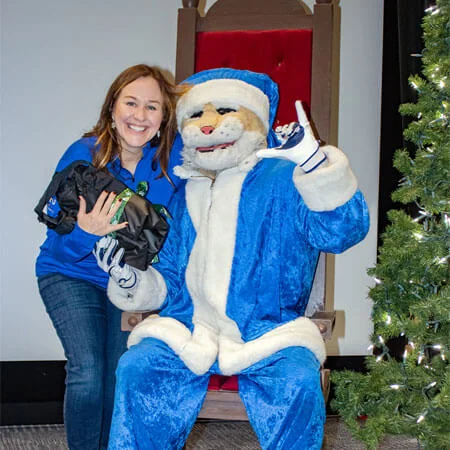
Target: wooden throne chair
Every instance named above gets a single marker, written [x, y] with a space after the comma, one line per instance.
[298, 49]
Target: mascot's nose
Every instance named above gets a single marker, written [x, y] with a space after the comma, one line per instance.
[207, 129]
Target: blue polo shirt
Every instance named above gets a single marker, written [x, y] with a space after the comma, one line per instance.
[71, 254]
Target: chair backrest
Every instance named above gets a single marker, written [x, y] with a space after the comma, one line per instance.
[296, 48]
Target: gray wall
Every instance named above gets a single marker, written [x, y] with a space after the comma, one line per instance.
[57, 60]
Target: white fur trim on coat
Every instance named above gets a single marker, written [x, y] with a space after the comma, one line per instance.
[235, 357]
[213, 208]
[197, 350]
[200, 349]
[148, 294]
[224, 93]
[327, 187]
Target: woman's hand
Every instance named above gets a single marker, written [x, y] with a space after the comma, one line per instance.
[98, 221]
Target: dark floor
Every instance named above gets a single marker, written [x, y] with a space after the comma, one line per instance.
[204, 436]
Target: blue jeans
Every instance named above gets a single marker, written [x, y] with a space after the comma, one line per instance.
[88, 325]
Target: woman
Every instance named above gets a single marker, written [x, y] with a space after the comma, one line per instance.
[135, 139]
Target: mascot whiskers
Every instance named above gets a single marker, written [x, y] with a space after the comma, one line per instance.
[235, 273]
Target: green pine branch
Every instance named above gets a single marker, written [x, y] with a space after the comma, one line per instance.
[410, 393]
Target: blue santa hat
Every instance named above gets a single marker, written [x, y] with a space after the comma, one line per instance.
[232, 88]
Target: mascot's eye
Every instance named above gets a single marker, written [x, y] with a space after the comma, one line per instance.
[196, 115]
[223, 111]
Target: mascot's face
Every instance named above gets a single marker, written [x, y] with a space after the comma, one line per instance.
[217, 138]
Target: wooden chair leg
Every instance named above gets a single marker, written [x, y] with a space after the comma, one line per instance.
[326, 383]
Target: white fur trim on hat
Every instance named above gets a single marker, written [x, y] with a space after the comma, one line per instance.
[224, 93]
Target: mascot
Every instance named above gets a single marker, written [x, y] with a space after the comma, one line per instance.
[235, 273]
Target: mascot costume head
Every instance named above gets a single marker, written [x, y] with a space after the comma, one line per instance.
[226, 117]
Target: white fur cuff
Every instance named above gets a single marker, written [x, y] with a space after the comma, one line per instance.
[148, 294]
[166, 329]
[197, 350]
[327, 187]
[235, 357]
[201, 351]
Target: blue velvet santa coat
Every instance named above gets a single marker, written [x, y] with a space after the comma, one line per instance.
[236, 271]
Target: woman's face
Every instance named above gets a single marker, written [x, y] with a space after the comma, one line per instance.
[138, 113]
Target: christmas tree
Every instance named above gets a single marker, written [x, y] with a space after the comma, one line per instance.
[410, 393]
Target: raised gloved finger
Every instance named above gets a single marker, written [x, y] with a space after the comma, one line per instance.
[302, 117]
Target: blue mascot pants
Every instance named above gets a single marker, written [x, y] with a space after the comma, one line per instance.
[158, 399]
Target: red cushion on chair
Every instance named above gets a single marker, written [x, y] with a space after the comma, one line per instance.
[223, 383]
[214, 383]
[230, 384]
[284, 55]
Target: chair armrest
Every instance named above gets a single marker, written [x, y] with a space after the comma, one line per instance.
[323, 319]
[325, 322]
[130, 319]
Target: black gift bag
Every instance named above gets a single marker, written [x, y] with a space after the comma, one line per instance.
[147, 227]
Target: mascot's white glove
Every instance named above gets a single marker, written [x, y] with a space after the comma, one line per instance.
[301, 148]
[123, 274]
[129, 289]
